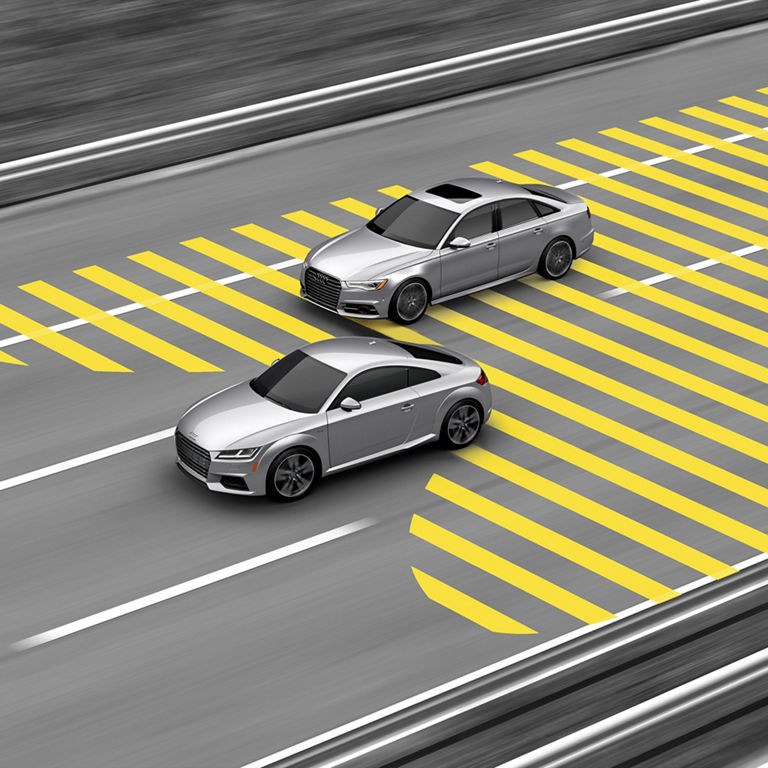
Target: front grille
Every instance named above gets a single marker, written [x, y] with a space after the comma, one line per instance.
[322, 288]
[192, 455]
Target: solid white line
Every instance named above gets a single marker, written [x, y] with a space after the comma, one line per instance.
[190, 586]
[504, 663]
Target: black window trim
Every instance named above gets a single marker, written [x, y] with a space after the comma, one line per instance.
[497, 212]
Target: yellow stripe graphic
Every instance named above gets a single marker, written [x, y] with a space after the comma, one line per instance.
[273, 240]
[670, 179]
[726, 122]
[10, 359]
[605, 384]
[119, 328]
[315, 223]
[747, 105]
[58, 343]
[598, 513]
[670, 301]
[729, 147]
[357, 207]
[668, 236]
[646, 198]
[466, 606]
[633, 482]
[695, 161]
[627, 354]
[507, 571]
[230, 297]
[551, 540]
[395, 191]
[182, 315]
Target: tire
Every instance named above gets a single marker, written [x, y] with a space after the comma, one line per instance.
[292, 475]
[556, 259]
[409, 302]
[468, 411]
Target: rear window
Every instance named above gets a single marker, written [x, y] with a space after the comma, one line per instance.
[428, 353]
[548, 194]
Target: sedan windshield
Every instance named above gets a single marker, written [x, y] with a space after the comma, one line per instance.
[413, 222]
[299, 382]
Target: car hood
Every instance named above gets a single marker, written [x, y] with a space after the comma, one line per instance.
[237, 417]
[363, 255]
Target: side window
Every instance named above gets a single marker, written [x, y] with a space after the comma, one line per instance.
[377, 381]
[421, 376]
[475, 224]
[544, 209]
[516, 212]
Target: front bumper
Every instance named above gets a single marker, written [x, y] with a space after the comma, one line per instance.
[354, 302]
[236, 478]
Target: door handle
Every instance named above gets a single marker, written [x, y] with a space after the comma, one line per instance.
[538, 230]
[490, 245]
[407, 407]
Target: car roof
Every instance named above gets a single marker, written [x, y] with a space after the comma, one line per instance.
[483, 190]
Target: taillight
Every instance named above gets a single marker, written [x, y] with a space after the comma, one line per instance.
[482, 378]
[589, 213]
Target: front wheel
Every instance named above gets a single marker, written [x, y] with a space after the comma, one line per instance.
[409, 302]
[291, 475]
[461, 424]
[556, 259]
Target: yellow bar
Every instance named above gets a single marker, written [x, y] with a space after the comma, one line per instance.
[119, 328]
[273, 240]
[707, 138]
[687, 158]
[548, 539]
[469, 608]
[646, 198]
[230, 297]
[186, 317]
[747, 105]
[395, 191]
[10, 359]
[58, 343]
[357, 207]
[604, 384]
[726, 122]
[513, 574]
[315, 223]
[598, 513]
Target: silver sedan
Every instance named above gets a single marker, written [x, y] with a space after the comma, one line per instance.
[446, 241]
[330, 406]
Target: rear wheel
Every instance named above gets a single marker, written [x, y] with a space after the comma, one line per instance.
[556, 259]
[291, 475]
[409, 302]
[461, 424]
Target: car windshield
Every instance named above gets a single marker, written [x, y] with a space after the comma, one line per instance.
[413, 222]
[299, 382]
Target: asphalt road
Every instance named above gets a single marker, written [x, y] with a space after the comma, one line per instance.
[237, 670]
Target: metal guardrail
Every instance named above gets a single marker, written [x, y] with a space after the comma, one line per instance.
[236, 128]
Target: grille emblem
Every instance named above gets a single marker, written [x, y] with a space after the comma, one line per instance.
[193, 434]
[321, 278]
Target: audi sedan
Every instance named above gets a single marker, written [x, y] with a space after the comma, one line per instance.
[447, 241]
[330, 406]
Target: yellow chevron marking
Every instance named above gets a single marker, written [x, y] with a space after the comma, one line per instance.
[229, 296]
[747, 105]
[666, 235]
[551, 540]
[357, 207]
[606, 384]
[315, 223]
[58, 343]
[731, 148]
[695, 161]
[10, 359]
[507, 571]
[598, 513]
[726, 122]
[273, 240]
[395, 191]
[469, 608]
[182, 315]
[646, 198]
[118, 328]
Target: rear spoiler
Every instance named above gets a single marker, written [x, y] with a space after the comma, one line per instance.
[554, 193]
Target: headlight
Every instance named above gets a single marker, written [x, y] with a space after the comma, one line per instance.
[238, 454]
[366, 285]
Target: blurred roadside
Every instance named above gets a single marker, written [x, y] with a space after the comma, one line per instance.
[75, 71]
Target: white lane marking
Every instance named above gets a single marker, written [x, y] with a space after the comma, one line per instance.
[87, 458]
[190, 586]
[504, 663]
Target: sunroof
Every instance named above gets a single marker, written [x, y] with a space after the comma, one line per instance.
[454, 192]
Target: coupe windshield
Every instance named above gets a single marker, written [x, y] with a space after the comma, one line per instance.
[299, 382]
[413, 222]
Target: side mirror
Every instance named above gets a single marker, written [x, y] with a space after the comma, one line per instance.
[459, 242]
[349, 404]
[378, 211]
[276, 360]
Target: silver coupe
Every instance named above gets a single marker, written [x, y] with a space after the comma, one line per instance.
[329, 406]
[446, 241]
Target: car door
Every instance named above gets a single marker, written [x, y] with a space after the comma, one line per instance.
[522, 236]
[388, 408]
[465, 268]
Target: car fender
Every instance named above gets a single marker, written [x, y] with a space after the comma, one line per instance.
[427, 269]
[467, 392]
[317, 440]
